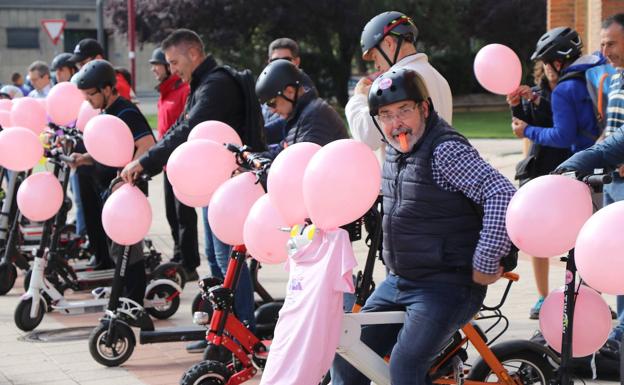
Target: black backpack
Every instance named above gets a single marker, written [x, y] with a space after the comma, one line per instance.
[252, 130]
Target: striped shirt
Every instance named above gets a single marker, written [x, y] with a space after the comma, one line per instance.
[459, 167]
[615, 105]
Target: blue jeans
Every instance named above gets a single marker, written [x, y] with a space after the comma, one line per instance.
[81, 225]
[244, 297]
[434, 311]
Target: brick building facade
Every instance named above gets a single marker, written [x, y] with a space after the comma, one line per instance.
[583, 15]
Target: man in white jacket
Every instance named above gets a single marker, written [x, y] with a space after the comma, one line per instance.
[389, 40]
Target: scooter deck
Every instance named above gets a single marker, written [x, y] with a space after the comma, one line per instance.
[175, 334]
[81, 307]
[95, 275]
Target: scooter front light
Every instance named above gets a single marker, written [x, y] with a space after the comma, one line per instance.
[201, 318]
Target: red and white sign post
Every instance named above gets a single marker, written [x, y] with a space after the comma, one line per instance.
[54, 28]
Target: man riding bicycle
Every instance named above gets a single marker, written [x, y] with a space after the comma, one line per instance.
[444, 230]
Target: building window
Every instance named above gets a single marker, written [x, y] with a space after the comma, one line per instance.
[22, 37]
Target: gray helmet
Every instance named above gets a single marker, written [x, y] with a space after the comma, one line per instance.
[63, 60]
[387, 23]
[158, 57]
[561, 43]
[275, 78]
[395, 86]
[95, 74]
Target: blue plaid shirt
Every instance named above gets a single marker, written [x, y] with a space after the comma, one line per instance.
[459, 167]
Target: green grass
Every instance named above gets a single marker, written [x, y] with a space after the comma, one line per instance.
[490, 124]
[152, 119]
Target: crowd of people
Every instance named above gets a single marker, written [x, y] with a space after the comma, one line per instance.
[444, 206]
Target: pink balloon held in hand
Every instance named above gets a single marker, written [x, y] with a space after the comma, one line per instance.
[127, 215]
[192, 200]
[109, 140]
[498, 69]
[5, 119]
[63, 103]
[40, 196]
[6, 104]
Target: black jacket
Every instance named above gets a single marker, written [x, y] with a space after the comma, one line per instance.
[215, 95]
[314, 121]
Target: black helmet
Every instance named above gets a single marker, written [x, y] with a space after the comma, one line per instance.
[275, 78]
[95, 74]
[62, 60]
[395, 86]
[561, 43]
[158, 57]
[387, 23]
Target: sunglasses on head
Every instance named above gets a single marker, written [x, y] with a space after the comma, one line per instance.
[281, 58]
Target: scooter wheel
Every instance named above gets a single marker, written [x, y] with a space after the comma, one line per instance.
[8, 274]
[22, 314]
[171, 271]
[206, 373]
[120, 350]
[201, 304]
[169, 307]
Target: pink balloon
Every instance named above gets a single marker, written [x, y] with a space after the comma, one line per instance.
[545, 215]
[199, 167]
[598, 253]
[262, 235]
[127, 215]
[592, 321]
[20, 149]
[340, 183]
[64, 102]
[285, 181]
[30, 113]
[192, 200]
[498, 69]
[5, 119]
[216, 131]
[85, 114]
[40, 196]
[109, 140]
[230, 205]
[6, 104]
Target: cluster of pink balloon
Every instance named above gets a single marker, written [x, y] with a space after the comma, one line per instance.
[498, 69]
[549, 216]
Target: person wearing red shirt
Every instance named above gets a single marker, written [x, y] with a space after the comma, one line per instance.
[182, 219]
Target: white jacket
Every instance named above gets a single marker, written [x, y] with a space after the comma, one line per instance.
[360, 122]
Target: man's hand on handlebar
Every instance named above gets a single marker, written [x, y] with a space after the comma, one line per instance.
[486, 279]
[132, 170]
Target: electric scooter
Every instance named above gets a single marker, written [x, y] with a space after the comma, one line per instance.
[161, 299]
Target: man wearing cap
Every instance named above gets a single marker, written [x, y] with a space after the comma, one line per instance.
[89, 49]
[182, 219]
[443, 230]
[389, 40]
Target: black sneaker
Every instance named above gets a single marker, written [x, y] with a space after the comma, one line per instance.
[197, 346]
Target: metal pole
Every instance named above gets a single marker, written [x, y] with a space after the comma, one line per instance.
[131, 40]
[99, 12]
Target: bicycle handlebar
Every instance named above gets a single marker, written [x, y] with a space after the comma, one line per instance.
[597, 180]
[511, 276]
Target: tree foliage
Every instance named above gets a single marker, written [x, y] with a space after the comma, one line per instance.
[238, 32]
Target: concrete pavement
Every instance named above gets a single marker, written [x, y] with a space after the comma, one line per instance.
[23, 361]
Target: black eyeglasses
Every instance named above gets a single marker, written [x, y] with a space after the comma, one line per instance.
[290, 59]
[271, 102]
